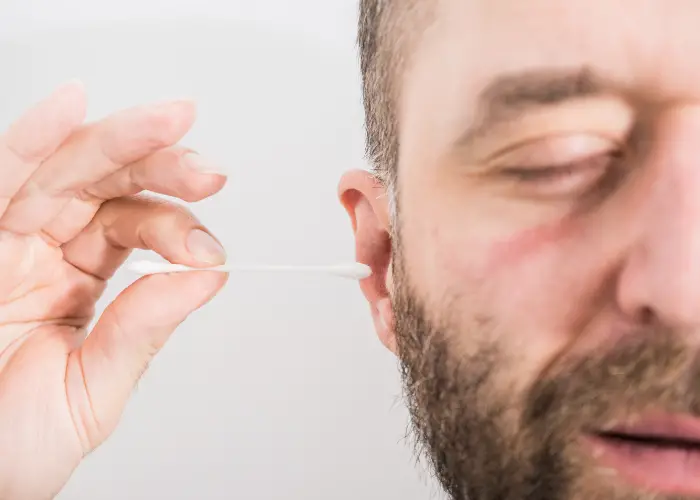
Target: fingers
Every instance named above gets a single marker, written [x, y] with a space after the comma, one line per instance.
[91, 154]
[36, 135]
[174, 171]
[102, 374]
[140, 222]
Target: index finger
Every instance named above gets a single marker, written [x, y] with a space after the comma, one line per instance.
[36, 135]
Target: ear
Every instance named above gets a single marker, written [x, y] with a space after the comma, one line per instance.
[366, 201]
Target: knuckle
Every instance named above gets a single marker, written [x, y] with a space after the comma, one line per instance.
[166, 214]
[181, 215]
[159, 126]
[171, 156]
[23, 151]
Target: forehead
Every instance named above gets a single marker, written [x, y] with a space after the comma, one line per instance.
[625, 38]
[651, 47]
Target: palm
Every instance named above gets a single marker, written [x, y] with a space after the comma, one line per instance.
[63, 233]
[41, 286]
[47, 302]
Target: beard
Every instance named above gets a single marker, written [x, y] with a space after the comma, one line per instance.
[485, 441]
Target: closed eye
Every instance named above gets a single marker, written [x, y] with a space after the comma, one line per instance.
[552, 172]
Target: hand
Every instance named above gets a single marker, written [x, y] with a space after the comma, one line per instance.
[70, 213]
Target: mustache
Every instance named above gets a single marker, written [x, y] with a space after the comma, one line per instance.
[649, 370]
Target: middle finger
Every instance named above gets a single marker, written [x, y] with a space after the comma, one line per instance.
[175, 171]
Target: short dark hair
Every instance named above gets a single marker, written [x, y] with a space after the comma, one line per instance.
[386, 31]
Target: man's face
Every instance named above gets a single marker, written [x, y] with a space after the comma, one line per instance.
[546, 268]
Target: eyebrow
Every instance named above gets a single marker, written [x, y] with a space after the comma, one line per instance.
[509, 96]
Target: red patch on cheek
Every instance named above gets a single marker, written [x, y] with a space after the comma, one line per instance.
[523, 244]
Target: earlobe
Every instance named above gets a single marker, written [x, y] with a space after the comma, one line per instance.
[384, 324]
[365, 200]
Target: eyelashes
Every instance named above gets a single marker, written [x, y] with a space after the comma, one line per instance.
[566, 179]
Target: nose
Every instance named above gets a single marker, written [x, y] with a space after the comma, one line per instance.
[661, 277]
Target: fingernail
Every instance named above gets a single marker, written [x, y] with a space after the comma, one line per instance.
[196, 162]
[205, 248]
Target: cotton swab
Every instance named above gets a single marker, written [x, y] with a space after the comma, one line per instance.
[352, 270]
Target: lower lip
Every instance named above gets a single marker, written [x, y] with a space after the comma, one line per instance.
[672, 471]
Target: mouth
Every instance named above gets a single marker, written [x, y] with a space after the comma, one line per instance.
[659, 453]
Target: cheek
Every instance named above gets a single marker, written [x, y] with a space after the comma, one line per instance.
[522, 247]
[528, 284]
[531, 262]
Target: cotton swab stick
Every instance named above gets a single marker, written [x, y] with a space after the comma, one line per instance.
[352, 270]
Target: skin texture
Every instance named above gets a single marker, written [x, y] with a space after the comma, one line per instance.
[70, 213]
[540, 280]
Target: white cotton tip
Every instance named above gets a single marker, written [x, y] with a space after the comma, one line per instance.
[353, 270]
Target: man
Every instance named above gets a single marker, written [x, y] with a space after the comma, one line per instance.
[535, 255]
[531, 226]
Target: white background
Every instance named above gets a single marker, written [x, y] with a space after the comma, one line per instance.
[334, 20]
[278, 389]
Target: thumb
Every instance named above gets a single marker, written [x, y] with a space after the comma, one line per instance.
[127, 336]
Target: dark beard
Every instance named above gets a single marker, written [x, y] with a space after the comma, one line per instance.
[485, 442]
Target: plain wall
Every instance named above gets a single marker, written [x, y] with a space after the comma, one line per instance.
[278, 389]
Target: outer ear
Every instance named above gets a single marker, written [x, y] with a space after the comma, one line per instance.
[365, 199]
